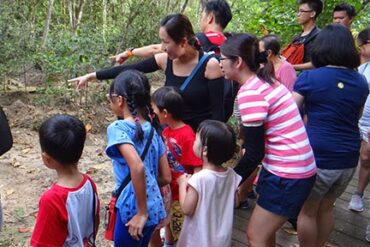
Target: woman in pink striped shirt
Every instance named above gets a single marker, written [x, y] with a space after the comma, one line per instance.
[274, 134]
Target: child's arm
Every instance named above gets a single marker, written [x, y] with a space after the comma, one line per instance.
[164, 173]
[137, 171]
[188, 195]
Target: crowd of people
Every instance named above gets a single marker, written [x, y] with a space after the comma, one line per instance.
[303, 116]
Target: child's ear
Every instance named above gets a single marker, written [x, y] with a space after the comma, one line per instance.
[204, 151]
[48, 161]
[165, 113]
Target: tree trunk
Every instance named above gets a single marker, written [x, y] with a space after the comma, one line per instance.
[184, 6]
[79, 14]
[105, 12]
[71, 13]
[47, 23]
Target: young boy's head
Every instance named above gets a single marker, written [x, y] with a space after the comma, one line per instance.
[62, 138]
[216, 140]
[309, 10]
[168, 104]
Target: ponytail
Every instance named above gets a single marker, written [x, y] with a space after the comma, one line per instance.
[194, 42]
[267, 72]
[246, 47]
[139, 133]
[135, 88]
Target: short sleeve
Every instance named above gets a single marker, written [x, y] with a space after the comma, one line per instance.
[50, 228]
[302, 85]
[161, 146]
[116, 134]
[195, 181]
[253, 107]
[288, 75]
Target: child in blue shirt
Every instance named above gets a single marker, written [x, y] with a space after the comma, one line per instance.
[139, 206]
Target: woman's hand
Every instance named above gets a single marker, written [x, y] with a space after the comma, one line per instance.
[136, 225]
[120, 58]
[81, 82]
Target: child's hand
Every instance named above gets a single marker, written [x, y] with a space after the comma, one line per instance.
[183, 179]
[136, 225]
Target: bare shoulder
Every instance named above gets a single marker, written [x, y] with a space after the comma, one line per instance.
[161, 59]
[213, 69]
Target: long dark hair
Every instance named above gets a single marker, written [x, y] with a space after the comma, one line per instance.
[245, 46]
[135, 88]
[178, 27]
[364, 36]
[334, 45]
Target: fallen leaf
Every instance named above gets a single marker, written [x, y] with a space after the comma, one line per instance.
[26, 151]
[15, 163]
[23, 229]
[88, 127]
[91, 170]
[9, 192]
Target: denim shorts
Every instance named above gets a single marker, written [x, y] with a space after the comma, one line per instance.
[331, 183]
[283, 196]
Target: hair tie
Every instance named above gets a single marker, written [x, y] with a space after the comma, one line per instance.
[136, 119]
[151, 116]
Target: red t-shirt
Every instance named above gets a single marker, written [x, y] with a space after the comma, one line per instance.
[65, 216]
[181, 158]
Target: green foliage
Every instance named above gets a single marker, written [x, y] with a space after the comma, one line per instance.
[74, 50]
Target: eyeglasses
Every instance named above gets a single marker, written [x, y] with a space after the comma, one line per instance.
[304, 11]
[226, 58]
[111, 96]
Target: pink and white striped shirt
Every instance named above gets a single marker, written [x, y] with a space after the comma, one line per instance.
[288, 153]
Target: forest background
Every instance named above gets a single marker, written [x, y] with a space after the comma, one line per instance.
[43, 43]
[65, 38]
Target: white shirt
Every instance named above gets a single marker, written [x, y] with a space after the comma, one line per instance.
[212, 222]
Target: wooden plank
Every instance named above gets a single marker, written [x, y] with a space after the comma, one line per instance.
[349, 229]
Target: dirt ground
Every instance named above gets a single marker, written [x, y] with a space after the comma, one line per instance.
[23, 177]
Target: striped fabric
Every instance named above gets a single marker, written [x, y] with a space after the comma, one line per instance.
[288, 153]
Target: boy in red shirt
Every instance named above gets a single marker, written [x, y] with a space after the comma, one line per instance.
[69, 211]
[179, 138]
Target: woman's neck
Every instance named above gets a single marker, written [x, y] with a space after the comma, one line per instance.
[245, 75]
[190, 54]
[365, 60]
[276, 61]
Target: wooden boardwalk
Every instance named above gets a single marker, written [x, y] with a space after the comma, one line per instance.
[349, 229]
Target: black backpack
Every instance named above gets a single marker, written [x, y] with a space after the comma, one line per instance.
[230, 87]
[6, 140]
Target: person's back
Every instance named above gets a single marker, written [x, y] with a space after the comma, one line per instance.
[69, 211]
[123, 131]
[212, 221]
[333, 110]
[66, 216]
[209, 218]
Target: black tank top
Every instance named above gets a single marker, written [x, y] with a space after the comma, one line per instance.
[195, 96]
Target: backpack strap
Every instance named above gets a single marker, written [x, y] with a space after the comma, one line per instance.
[312, 35]
[117, 193]
[195, 70]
